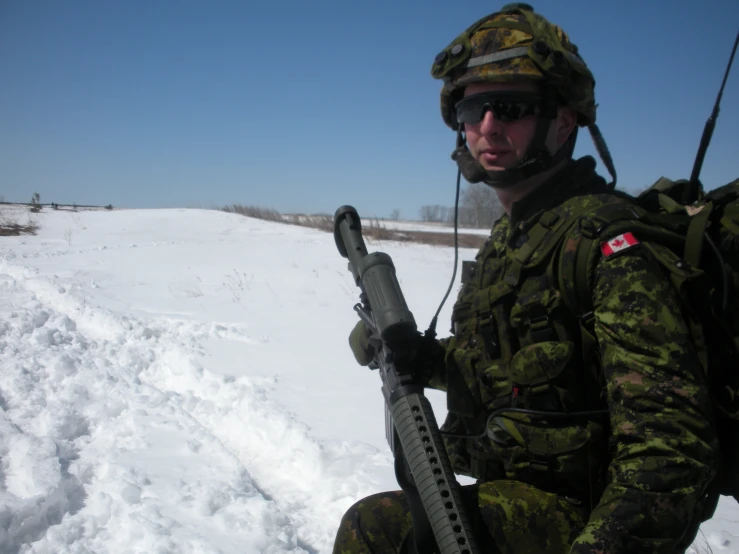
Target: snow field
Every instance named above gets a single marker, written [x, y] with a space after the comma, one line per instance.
[179, 381]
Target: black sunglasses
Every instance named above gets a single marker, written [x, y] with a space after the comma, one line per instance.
[506, 106]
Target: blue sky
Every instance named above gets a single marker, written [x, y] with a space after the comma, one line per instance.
[305, 106]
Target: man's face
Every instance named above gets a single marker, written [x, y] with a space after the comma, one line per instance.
[498, 145]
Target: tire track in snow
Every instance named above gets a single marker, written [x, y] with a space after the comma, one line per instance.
[310, 483]
[313, 482]
[87, 445]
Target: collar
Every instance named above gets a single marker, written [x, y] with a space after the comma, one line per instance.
[576, 178]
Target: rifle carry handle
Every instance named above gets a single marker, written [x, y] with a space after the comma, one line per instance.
[375, 275]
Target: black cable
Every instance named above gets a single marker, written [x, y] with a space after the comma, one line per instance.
[431, 331]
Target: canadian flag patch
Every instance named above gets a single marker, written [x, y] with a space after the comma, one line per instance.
[617, 244]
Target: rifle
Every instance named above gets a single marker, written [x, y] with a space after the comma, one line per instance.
[422, 465]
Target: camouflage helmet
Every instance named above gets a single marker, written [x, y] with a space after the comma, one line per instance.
[515, 44]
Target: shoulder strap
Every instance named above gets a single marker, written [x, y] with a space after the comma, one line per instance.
[544, 236]
[580, 252]
[573, 263]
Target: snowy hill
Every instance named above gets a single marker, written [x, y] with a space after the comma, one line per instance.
[180, 381]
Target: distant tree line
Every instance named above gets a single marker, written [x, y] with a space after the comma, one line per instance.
[478, 208]
[35, 204]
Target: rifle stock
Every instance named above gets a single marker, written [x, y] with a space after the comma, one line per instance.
[411, 427]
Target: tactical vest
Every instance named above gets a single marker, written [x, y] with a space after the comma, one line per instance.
[524, 335]
[517, 345]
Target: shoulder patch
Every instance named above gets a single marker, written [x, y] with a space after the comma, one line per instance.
[618, 244]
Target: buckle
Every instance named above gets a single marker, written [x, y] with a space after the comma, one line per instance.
[541, 328]
[592, 228]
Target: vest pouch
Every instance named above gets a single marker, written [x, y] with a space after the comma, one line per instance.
[538, 377]
[495, 385]
[552, 455]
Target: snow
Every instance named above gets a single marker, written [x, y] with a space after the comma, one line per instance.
[180, 381]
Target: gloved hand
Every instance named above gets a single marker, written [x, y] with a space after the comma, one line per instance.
[418, 354]
[360, 344]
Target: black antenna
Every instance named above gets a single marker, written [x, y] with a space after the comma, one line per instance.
[691, 193]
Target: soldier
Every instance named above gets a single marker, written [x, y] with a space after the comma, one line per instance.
[612, 447]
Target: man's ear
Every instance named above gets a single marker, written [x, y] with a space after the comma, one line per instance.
[564, 124]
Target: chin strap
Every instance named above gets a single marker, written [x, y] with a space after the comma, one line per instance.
[469, 167]
[473, 171]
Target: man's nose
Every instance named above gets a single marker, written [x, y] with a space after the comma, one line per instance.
[489, 124]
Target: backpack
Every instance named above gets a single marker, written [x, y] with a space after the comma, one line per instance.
[705, 236]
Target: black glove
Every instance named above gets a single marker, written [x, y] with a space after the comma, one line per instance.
[417, 354]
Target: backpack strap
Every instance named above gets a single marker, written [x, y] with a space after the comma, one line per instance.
[731, 218]
[726, 198]
[580, 252]
[694, 238]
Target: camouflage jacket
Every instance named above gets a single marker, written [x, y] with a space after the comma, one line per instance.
[642, 466]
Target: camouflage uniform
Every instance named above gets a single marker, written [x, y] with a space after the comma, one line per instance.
[618, 447]
[502, 512]
[633, 481]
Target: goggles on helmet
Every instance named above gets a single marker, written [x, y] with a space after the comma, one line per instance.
[506, 106]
